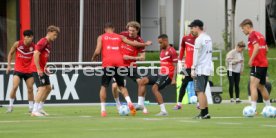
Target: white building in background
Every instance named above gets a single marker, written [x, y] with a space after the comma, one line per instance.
[163, 16]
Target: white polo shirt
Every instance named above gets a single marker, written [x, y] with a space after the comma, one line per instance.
[202, 59]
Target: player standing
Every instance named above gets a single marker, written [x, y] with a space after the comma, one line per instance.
[166, 76]
[257, 49]
[202, 66]
[109, 44]
[131, 54]
[41, 78]
[187, 46]
[23, 50]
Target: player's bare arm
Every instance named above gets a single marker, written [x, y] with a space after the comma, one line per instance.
[98, 48]
[174, 74]
[135, 44]
[36, 61]
[254, 54]
[141, 57]
[11, 54]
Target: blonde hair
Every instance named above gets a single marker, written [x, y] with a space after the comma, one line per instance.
[53, 28]
[134, 24]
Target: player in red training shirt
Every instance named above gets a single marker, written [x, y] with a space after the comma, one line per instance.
[109, 44]
[257, 49]
[38, 66]
[166, 75]
[131, 54]
[23, 50]
[187, 46]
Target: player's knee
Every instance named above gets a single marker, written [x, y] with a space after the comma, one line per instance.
[142, 82]
[154, 88]
[114, 87]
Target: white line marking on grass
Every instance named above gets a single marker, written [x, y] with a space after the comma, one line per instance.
[228, 117]
[116, 129]
[269, 126]
[228, 123]
[24, 121]
[85, 116]
[153, 119]
[188, 121]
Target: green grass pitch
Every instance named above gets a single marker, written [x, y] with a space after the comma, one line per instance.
[85, 122]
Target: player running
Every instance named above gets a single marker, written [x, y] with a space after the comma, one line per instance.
[23, 50]
[109, 44]
[202, 66]
[187, 46]
[166, 75]
[257, 49]
[131, 54]
[38, 66]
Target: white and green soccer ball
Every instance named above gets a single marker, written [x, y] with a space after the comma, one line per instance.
[248, 111]
[124, 110]
[269, 112]
[193, 100]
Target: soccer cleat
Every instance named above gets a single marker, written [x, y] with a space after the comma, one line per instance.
[9, 109]
[207, 116]
[37, 114]
[132, 109]
[238, 101]
[177, 107]
[43, 112]
[162, 114]
[103, 114]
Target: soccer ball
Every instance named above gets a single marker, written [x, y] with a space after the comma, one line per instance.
[124, 110]
[269, 112]
[193, 100]
[248, 111]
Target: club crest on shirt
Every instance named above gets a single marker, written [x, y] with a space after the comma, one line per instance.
[31, 49]
[166, 53]
[207, 41]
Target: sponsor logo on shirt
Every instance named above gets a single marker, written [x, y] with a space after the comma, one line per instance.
[262, 47]
[110, 38]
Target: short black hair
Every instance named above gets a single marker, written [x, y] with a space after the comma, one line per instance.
[163, 36]
[28, 33]
[109, 25]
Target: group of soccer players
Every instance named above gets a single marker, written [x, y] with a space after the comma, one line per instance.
[30, 65]
[125, 54]
[121, 51]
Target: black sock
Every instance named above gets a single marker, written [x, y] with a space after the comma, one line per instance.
[204, 111]
[207, 111]
[201, 112]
